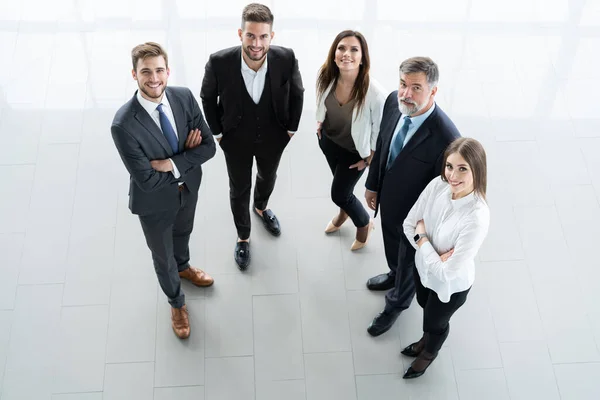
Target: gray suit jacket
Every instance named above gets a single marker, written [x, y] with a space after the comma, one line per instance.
[139, 140]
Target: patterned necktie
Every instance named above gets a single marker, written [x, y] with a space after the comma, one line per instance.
[398, 141]
[167, 129]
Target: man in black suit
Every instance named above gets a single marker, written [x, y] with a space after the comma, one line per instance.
[252, 96]
[163, 140]
[413, 135]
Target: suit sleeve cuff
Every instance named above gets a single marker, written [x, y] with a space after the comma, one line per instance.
[175, 171]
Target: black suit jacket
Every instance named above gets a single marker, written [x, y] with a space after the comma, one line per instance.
[416, 165]
[139, 140]
[223, 84]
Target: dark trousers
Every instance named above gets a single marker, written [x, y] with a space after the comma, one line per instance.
[344, 180]
[239, 168]
[168, 235]
[436, 314]
[400, 257]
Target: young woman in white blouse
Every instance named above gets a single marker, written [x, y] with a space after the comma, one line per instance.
[349, 108]
[447, 226]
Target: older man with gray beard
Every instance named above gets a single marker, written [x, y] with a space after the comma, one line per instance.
[413, 135]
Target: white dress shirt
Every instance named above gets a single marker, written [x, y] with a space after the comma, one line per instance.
[460, 224]
[255, 80]
[151, 108]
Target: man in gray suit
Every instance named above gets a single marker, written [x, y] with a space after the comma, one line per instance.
[163, 140]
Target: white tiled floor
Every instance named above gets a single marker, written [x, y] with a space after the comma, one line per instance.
[82, 318]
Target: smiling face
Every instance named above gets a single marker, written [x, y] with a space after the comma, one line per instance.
[459, 175]
[348, 54]
[151, 75]
[256, 39]
[415, 95]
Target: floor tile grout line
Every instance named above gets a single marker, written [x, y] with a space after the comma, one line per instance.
[301, 323]
[535, 295]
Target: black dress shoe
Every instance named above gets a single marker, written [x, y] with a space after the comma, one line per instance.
[270, 221]
[413, 350]
[424, 358]
[242, 255]
[381, 282]
[383, 322]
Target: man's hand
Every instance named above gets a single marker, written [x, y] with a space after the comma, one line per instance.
[162, 165]
[194, 139]
[319, 124]
[371, 198]
[219, 139]
[290, 134]
[446, 255]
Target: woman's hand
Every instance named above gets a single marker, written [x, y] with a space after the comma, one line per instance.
[319, 129]
[446, 255]
[360, 165]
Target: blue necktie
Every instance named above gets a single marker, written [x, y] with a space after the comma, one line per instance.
[167, 129]
[398, 142]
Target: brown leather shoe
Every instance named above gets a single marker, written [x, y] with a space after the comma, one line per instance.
[180, 322]
[197, 277]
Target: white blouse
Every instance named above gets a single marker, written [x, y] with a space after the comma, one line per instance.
[460, 224]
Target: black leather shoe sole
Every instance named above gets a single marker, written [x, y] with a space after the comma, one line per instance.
[241, 254]
[382, 323]
[380, 282]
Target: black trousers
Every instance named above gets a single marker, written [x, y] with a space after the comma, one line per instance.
[400, 257]
[344, 180]
[239, 159]
[167, 236]
[436, 314]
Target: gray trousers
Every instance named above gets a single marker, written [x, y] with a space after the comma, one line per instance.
[401, 260]
[168, 235]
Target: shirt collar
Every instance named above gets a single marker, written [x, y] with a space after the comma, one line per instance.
[263, 67]
[419, 119]
[150, 106]
[456, 204]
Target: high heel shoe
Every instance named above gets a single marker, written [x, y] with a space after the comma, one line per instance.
[357, 245]
[412, 373]
[341, 218]
[414, 349]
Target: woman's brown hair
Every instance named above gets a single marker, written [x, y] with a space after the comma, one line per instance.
[329, 72]
[474, 154]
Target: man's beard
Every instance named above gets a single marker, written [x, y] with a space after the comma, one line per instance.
[143, 89]
[249, 54]
[411, 109]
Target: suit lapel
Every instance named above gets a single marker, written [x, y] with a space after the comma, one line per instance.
[179, 115]
[420, 135]
[236, 74]
[274, 75]
[388, 133]
[148, 123]
[394, 118]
